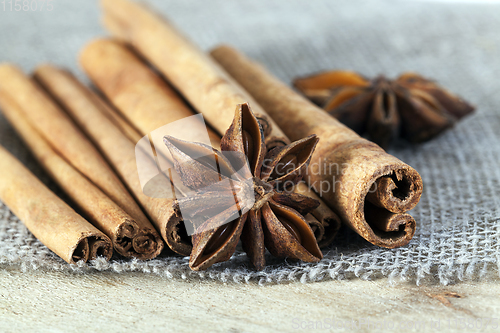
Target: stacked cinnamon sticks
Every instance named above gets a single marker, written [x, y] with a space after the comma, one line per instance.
[88, 146]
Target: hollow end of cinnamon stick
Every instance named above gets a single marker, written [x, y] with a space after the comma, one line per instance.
[391, 230]
[384, 207]
[130, 240]
[398, 192]
[80, 251]
[364, 174]
[331, 224]
[372, 190]
[175, 235]
[330, 221]
[316, 226]
[99, 247]
[90, 246]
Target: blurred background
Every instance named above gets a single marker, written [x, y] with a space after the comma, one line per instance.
[292, 37]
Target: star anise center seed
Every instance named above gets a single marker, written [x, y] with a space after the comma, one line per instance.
[262, 191]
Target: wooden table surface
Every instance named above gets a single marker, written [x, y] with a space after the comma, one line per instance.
[51, 301]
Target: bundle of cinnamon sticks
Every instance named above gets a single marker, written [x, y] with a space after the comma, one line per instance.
[87, 143]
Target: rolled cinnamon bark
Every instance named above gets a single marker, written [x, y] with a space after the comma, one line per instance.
[128, 237]
[49, 218]
[145, 99]
[117, 119]
[121, 123]
[369, 188]
[204, 84]
[317, 228]
[86, 109]
[65, 137]
[140, 95]
[201, 81]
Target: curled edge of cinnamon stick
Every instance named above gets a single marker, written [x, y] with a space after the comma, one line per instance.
[50, 219]
[88, 110]
[317, 227]
[359, 163]
[128, 238]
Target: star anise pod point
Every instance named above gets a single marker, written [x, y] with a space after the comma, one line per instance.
[258, 184]
[410, 106]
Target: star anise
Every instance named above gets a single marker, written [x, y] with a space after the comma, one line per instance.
[246, 194]
[411, 106]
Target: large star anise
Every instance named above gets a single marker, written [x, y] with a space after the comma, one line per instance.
[411, 106]
[246, 194]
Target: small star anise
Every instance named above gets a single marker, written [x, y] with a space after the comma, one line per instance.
[244, 192]
[411, 106]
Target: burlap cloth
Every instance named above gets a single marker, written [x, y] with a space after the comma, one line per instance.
[458, 44]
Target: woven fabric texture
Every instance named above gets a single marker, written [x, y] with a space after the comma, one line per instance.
[455, 43]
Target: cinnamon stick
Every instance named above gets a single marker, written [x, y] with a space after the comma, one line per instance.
[369, 188]
[49, 218]
[117, 119]
[144, 98]
[87, 109]
[128, 237]
[201, 81]
[65, 137]
[121, 123]
[136, 90]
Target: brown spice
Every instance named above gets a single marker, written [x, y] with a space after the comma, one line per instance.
[149, 103]
[410, 106]
[129, 238]
[345, 163]
[272, 219]
[138, 93]
[65, 137]
[49, 218]
[86, 109]
[325, 223]
[205, 85]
